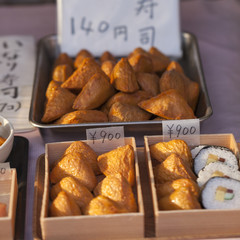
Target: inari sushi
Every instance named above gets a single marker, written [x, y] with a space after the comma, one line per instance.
[210, 154]
[221, 193]
[217, 169]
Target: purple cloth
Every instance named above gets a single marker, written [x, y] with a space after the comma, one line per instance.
[215, 23]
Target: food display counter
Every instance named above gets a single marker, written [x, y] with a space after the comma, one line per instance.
[215, 26]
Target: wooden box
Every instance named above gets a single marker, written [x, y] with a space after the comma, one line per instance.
[115, 226]
[194, 223]
[8, 195]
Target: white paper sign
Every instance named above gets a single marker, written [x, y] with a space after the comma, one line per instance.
[118, 26]
[17, 68]
[187, 130]
[108, 138]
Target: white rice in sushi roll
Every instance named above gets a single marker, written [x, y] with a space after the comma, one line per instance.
[214, 153]
[217, 169]
[221, 193]
[196, 150]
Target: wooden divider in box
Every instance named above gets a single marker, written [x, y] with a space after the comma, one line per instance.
[8, 196]
[200, 223]
[124, 225]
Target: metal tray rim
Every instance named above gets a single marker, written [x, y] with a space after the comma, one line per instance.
[209, 110]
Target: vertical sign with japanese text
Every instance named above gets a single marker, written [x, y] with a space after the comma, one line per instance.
[118, 26]
[17, 68]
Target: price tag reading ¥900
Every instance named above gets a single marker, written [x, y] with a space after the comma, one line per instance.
[107, 138]
[187, 130]
[5, 171]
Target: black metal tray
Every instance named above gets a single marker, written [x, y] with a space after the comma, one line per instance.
[18, 159]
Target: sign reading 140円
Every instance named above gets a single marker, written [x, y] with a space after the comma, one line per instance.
[118, 26]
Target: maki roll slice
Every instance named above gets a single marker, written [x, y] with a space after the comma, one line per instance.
[217, 169]
[197, 149]
[221, 193]
[211, 154]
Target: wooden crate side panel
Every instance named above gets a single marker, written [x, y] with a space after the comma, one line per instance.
[90, 227]
[8, 223]
[147, 142]
[198, 223]
[6, 228]
[13, 199]
[5, 186]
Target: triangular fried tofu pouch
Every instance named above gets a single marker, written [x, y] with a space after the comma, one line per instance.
[161, 150]
[82, 54]
[172, 168]
[102, 205]
[77, 191]
[97, 90]
[169, 187]
[149, 82]
[127, 113]
[74, 165]
[123, 77]
[159, 60]
[62, 72]
[59, 102]
[107, 67]
[169, 104]
[141, 63]
[175, 65]
[125, 98]
[117, 188]
[87, 153]
[181, 199]
[80, 77]
[119, 160]
[107, 56]
[64, 205]
[63, 58]
[174, 79]
[82, 116]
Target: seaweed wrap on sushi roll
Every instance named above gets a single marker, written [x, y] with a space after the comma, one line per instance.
[211, 154]
[197, 149]
[221, 193]
[217, 169]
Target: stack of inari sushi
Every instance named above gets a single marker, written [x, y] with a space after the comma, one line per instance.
[175, 182]
[218, 176]
[203, 177]
[85, 183]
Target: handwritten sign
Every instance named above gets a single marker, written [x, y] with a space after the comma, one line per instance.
[118, 26]
[17, 67]
[107, 138]
[187, 130]
[5, 171]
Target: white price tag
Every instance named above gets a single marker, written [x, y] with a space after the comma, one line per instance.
[107, 138]
[187, 130]
[118, 26]
[5, 171]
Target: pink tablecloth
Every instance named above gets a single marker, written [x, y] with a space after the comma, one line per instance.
[216, 25]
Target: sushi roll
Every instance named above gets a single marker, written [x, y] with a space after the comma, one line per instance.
[217, 169]
[210, 154]
[196, 150]
[221, 193]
